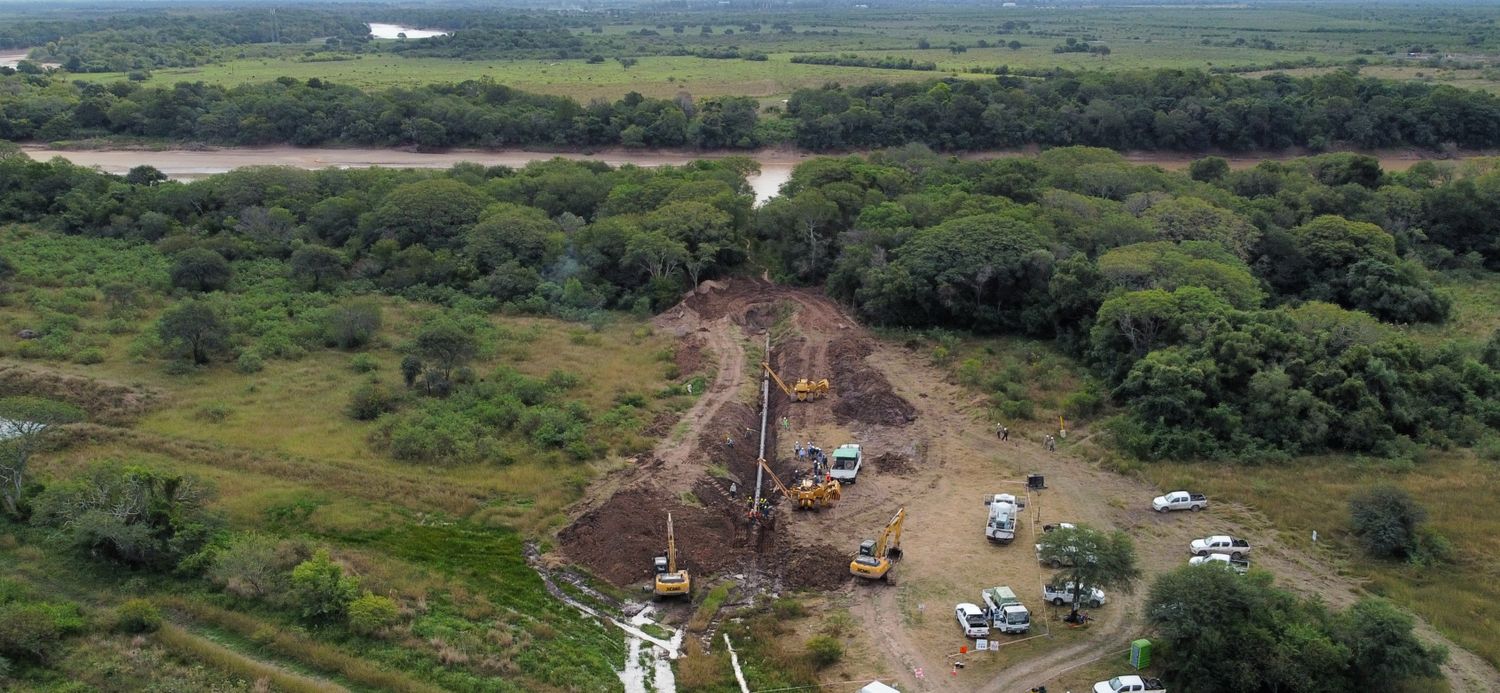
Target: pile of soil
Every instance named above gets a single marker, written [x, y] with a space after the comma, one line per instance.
[891, 463]
[864, 395]
[689, 356]
[104, 401]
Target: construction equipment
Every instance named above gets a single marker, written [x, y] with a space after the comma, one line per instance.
[807, 494]
[671, 582]
[803, 391]
[873, 562]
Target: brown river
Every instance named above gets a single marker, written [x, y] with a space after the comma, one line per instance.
[775, 164]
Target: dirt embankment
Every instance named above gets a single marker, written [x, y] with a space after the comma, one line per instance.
[104, 401]
[703, 480]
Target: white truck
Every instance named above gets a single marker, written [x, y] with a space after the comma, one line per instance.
[1238, 565]
[1179, 500]
[1007, 613]
[972, 619]
[1061, 594]
[1227, 545]
[1005, 514]
[1130, 684]
[846, 461]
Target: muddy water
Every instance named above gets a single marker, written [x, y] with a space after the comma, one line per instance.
[390, 31]
[775, 167]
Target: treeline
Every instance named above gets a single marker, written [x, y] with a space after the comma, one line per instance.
[155, 39]
[494, 44]
[474, 113]
[1231, 314]
[884, 62]
[1158, 109]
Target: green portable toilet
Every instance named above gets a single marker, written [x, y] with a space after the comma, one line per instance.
[1140, 653]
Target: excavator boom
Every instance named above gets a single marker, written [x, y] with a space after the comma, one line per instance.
[671, 546]
[779, 383]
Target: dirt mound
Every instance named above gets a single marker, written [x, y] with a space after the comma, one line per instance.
[864, 395]
[891, 463]
[105, 401]
[689, 356]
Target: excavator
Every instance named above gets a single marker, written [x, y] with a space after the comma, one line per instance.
[803, 391]
[873, 562]
[809, 493]
[671, 582]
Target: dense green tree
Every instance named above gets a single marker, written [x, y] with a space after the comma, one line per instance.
[199, 269]
[431, 212]
[318, 267]
[322, 589]
[1387, 521]
[1091, 558]
[194, 331]
[134, 515]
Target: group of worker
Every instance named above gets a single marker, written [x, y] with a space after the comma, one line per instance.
[1049, 442]
[762, 510]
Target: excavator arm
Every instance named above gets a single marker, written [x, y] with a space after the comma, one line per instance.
[671, 546]
[779, 382]
[890, 537]
[775, 480]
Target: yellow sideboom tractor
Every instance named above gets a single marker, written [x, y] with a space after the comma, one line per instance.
[803, 391]
[807, 494]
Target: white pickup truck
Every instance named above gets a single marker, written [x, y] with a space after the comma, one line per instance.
[1238, 565]
[1063, 594]
[1230, 546]
[1004, 516]
[1179, 500]
[1130, 684]
[847, 459]
[972, 619]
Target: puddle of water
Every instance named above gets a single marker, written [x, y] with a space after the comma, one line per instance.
[391, 31]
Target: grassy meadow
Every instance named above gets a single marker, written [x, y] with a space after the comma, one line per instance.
[959, 41]
[284, 459]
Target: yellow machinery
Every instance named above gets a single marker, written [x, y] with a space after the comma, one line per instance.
[803, 391]
[875, 555]
[671, 582]
[809, 493]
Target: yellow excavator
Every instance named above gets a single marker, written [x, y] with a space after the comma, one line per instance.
[803, 391]
[671, 582]
[809, 493]
[873, 562]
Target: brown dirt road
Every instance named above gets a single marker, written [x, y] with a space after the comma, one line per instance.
[929, 447]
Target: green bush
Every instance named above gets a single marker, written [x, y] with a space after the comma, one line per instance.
[824, 650]
[1387, 521]
[249, 362]
[363, 363]
[321, 588]
[370, 400]
[137, 616]
[371, 613]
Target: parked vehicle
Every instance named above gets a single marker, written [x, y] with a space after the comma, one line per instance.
[1007, 613]
[1230, 546]
[1238, 565]
[1179, 500]
[1130, 684]
[1004, 518]
[972, 619]
[1061, 594]
[846, 461]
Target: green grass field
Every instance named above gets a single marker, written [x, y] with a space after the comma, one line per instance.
[1202, 38]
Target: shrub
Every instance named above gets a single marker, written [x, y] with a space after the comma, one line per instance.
[137, 616]
[255, 565]
[1387, 520]
[363, 363]
[249, 362]
[353, 324]
[321, 588]
[824, 650]
[371, 613]
[370, 400]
